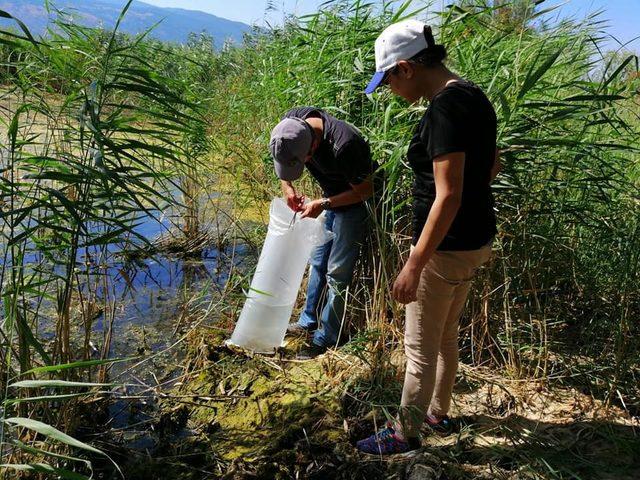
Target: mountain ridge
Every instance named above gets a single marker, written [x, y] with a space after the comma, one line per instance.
[175, 23]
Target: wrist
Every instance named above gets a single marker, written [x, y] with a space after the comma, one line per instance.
[415, 263]
[325, 203]
[287, 186]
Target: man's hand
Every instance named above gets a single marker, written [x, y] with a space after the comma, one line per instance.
[312, 209]
[405, 287]
[295, 201]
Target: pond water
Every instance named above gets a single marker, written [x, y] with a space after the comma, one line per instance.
[150, 322]
[152, 298]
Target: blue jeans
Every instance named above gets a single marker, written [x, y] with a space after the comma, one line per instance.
[332, 267]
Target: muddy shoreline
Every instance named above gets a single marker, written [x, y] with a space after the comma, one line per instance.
[238, 416]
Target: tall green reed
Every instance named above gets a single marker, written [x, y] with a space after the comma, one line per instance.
[566, 201]
[96, 140]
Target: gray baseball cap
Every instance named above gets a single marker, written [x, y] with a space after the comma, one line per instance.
[290, 144]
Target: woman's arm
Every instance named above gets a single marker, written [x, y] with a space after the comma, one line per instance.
[448, 172]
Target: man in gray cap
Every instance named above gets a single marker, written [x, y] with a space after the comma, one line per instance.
[339, 158]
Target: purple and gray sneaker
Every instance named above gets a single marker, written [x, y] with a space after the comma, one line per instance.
[387, 442]
[442, 426]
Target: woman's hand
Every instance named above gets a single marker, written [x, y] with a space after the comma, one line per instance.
[405, 287]
[312, 209]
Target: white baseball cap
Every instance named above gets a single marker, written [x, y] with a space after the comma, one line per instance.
[400, 41]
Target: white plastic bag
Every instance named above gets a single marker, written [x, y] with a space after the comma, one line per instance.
[274, 288]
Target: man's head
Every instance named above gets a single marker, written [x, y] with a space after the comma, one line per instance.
[401, 48]
[290, 146]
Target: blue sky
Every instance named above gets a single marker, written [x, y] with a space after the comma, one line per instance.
[623, 15]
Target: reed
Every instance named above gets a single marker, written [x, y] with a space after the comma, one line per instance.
[95, 140]
[565, 272]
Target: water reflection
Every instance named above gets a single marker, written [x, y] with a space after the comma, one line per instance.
[139, 305]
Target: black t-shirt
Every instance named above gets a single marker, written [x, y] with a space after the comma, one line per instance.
[343, 157]
[460, 118]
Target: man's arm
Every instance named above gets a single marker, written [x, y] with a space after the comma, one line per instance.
[448, 172]
[358, 193]
[356, 158]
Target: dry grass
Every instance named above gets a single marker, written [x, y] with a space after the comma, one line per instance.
[260, 417]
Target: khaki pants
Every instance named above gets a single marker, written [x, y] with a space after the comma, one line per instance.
[431, 335]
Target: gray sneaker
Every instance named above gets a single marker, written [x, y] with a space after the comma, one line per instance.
[297, 330]
[310, 352]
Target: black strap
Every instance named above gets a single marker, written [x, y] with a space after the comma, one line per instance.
[428, 36]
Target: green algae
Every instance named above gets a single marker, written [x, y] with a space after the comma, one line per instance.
[251, 408]
[260, 409]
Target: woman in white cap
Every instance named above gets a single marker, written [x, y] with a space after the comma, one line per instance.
[454, 158]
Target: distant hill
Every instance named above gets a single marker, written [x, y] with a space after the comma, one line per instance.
[176, 23]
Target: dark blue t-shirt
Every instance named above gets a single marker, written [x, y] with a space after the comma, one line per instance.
[343, 157]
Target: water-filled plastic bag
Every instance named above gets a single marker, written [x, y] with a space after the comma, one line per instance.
[264, 318]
